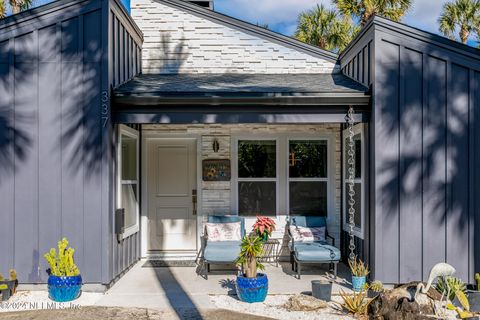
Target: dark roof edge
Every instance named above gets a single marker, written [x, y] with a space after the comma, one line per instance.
[129, 18]
[38, 11]
[327, 99]
[415, 33]
[252, 29]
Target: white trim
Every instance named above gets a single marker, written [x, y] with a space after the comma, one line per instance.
[358, 232]
[152, 134]
[132, 133]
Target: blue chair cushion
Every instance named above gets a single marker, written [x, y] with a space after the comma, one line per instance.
[221, 251]
[227, 219]
[316, 251]
[308, 221]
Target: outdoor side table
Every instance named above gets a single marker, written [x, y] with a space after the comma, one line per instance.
[271, 250]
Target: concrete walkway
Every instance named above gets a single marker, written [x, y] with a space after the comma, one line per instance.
[180, 288]
[102, 313]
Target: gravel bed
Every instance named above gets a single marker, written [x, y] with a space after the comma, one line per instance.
[273, 307]
[38, 300]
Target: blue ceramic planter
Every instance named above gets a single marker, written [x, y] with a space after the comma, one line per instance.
[358, 283]
[64, 289]
[252, 289]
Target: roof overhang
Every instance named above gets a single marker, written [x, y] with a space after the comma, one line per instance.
[198, 98]
[242, 99]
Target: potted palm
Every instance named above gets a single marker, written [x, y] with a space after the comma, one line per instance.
[263, 227]
[64, 281]
[359, 274]
[251, 286]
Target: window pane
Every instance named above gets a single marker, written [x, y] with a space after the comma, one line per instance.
[357, 206]
[358, 156]
[308, 159]
[129, 158]
[257, 159]
[129, 202]
[257, 198]
[308, 198]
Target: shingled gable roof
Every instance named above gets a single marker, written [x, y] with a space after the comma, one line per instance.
[400, 28]
[251, 29]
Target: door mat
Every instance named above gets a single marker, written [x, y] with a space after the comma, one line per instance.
[168, 263]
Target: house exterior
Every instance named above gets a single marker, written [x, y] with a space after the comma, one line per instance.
[123, 132]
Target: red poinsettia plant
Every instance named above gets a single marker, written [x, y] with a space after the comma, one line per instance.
[263, 227]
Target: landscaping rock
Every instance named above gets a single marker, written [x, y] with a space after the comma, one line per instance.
[399, 304]
[301, 302]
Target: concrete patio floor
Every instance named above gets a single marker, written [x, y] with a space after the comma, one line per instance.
[180, 288]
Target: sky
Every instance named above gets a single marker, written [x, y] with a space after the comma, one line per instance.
[281, 15]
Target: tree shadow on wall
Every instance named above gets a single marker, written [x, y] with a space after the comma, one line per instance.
[15, 138]
[168, 57]
[424, 174]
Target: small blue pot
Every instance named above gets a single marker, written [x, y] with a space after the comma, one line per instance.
[358, 283]
[252, 289]
[64, 289]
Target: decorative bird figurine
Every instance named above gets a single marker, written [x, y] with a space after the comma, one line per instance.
[439, 270]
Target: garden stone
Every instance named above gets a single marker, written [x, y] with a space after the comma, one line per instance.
[301, 302]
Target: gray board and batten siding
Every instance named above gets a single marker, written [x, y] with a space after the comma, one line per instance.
[56, 167]
[425, 149]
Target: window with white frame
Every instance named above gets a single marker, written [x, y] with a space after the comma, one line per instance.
[257, 177]
[308, 177]
[359, 216]
[128, 178]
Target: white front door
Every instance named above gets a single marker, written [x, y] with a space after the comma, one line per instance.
[171, 184]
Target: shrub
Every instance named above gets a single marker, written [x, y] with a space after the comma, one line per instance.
[358, 267]
[449, 286]
[356, 303]
[376, 286]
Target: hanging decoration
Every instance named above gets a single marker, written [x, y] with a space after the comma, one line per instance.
[351, 181]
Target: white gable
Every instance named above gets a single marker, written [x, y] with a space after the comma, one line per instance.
[176, 41]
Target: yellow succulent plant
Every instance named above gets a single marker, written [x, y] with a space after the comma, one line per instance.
[62, 264]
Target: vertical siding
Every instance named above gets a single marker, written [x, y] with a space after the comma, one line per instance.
[425, 150]
[356, 63]
[7, 155]
[125, 42]
[50, 129]
[422, 108]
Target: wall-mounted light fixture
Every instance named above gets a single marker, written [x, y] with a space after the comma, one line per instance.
[215, 145]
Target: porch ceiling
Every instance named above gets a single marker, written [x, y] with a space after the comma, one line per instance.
[241, 89]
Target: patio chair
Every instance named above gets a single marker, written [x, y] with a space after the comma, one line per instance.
[222, 252]
[311, 251]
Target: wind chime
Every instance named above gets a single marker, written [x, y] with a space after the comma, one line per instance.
[350, 181]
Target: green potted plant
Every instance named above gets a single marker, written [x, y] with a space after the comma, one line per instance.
[375, 288]
[64, 281]
[11, 284]
[474, 295]
[5, 292]
[263, 227]
[251, 286]
[359, 274]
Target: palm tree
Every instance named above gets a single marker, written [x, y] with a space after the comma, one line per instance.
[3, 9]
[16, 5]
[461, 15]
[363, 10]
[325, 28]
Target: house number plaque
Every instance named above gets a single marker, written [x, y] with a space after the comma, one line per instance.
[216, 170]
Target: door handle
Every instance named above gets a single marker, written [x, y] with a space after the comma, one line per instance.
[194, 201]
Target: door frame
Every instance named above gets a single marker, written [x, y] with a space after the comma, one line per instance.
[155, 135]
